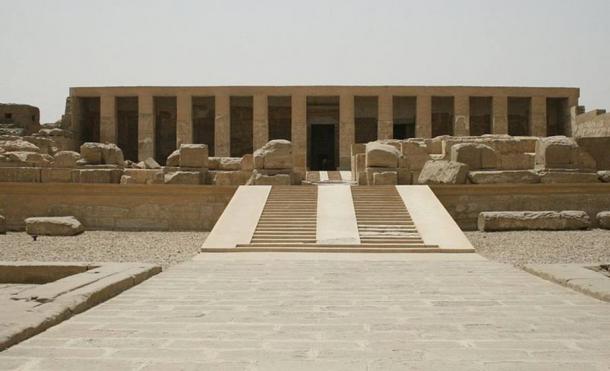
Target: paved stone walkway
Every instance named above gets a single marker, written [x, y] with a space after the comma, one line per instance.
[331, 311]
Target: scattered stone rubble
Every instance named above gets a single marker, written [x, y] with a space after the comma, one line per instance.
[487, 159]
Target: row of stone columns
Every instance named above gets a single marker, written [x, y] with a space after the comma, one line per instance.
[184, 127]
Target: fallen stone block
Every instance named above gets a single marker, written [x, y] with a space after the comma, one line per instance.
[263, 179]
[173, 159]
[183, 177]
[532, 220]
[194, 155]
[91, 152]
[247, 162]
[567, 177]
[443, 172]
[503, 176]
[604, 176]
[603, 219]
[385, 178]
[275, 154]
[25, 159]
[53, 226]
[18, 145]
[66, 159]
[476, 156]
[225, 163]
[149, 163]
[381, 155]
[145, 176]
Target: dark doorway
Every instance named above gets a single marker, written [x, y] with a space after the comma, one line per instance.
[322, 147]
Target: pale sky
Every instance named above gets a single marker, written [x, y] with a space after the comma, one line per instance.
[47, 46]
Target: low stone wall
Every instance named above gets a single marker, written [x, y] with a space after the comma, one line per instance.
[117, 207]
[465, 202]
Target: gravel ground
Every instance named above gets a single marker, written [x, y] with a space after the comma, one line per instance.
[522, 247]
[163, 248]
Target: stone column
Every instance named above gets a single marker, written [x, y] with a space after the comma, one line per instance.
[499, 122]
[461, 114]
[260, 129]
[299, 133]
[108, 119]
[571, 116]
[75, 123]
[423, 116]
[184, 120]
[347, 130]
[538, 117]
[146, 127]
[222, 126]
[385, 122]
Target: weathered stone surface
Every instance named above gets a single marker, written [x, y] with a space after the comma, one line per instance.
[278, 179]
[194, 155]
[112, 155]
[532, 220]
[516, 161]
[173, 159]
[91, 153]
[597, 148]
[226, 178]
[97, 176]
[476, 156]
[567, 177]
[414, 155]
[603, 219]
[27, 158]
[2, 225]
[18, 145]
[20, 174]
[604, 176]
[126, 179]
[53, 226]
[183, 177]
[561, 152]
[56, 175]
[247, 162]
[443, 172]
[381, 155]
[66, 159]
[228, 163]
[275, 154]
[385, 178]
[503, 176]
[145, 176]
[149, 163]
[102, 153]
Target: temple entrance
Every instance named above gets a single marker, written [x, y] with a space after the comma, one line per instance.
[322, 147]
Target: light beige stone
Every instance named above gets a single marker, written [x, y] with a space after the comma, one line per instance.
[149, 163]
[443, 172]
[275, 154]
[414, 155]
[53, 226]
[91, 153]
[532, 220]
[27, 159]
[194, 155]
[229, 163]
[20, 174]
[503, 176]
[183, 177]
[145, 176]
[66, 159]
[173, 159]
[476, 156]
[247, 162]
[112, 155]
[18, 145]
[229, 178]
[259, 178]
[604, 176]
[56, 175]
[382, 155]
[126, 179]
[385, 178]
[561, 152]
[98, 176]
[567, 177]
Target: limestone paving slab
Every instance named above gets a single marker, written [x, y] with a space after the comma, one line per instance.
[579, 277]
[306, 311]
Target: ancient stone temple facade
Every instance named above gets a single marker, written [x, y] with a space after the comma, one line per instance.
[321, 121]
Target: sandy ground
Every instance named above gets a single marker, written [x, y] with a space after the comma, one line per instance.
[168, 248]
[163, 248]
[521, 247]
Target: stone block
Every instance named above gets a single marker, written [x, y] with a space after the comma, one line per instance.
[371, 171]
[264, 179]
[550, 176]
[385, 178]
[27, 159]
[173, 159]
[18, 145]
[603, 219]
[516, 161]
[443, 172]
[276, 154]
[3, 228]
[20, 174]
[183, 177]
[148, 163]
[504, 176]
[358, 148]
[405, 176]
[194, 155]
[414, 155]
[229, 178]
[98, 176]
[532, 220]
[476, 156]
[91, 153]
[56, 175]
[229, 163]
[145, 176]
[381, 155]
[112, 155]
[53, 226]
[247, 162]
[598, 148]
[66, 159]
[604, 176]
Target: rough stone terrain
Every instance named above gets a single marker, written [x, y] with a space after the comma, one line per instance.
[522, 247]
[331, 312]
[163, 248]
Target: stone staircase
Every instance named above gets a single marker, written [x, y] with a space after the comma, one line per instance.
[288, 219]
[383, 219]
